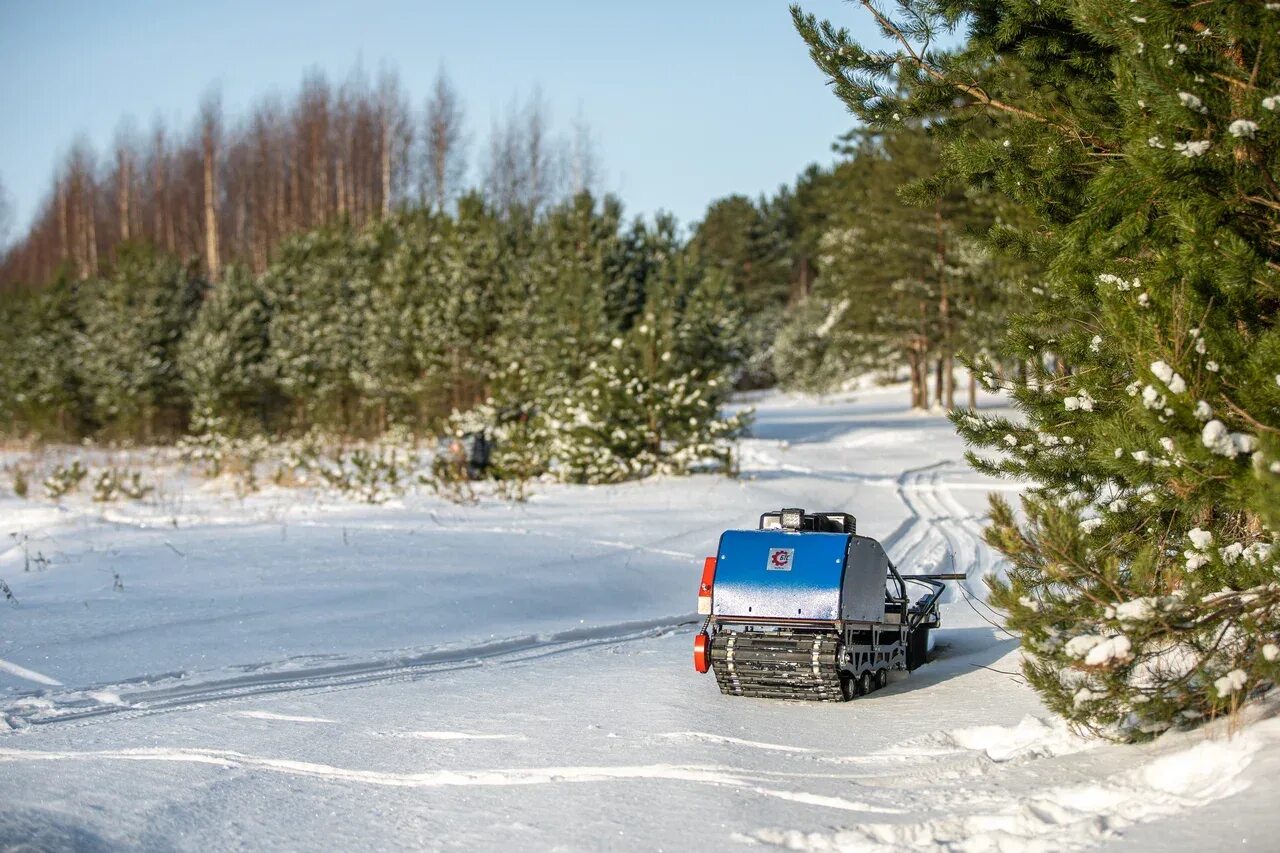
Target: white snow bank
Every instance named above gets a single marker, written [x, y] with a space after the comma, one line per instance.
[1044, 820]
[1032, 736]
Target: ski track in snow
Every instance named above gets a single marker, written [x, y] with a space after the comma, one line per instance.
[283, 718]
[724, 739]
[414, 735]
[697, 774]
[161, 699]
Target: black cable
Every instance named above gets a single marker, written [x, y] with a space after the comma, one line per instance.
[969, 600]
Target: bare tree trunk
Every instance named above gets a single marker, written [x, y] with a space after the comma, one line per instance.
[946, 381]
[973, 392]
[937, 381]
[90, 232]
[125, 177]
[160, 178]
[949, 380]
[209, 131]
[913, 365]
[341, 179]
[443, 138]
[391, 127]
[386, 166]
[296, 217]
[917, 359]
[804, 282]
[64, 224]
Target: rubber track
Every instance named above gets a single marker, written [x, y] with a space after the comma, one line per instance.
[778, 665]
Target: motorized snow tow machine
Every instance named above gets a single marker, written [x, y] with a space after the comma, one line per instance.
[805, 608]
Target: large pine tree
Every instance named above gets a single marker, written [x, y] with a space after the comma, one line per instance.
[1143, 138]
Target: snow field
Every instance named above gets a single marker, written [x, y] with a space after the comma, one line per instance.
[290, 670]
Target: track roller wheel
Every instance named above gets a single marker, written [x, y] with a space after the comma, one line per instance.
[882, 678]
[865, 683]
[848, 686]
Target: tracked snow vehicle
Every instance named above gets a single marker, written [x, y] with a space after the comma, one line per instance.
[805, 608]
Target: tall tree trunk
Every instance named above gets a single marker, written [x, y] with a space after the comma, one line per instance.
[937, 381]
[949, 380]
[90, 232]
[64, 224]
[973, 392]
[946, 382]
[917, 358]
[804, 282]
[125, 178]
[386, 166]
[296, 218]
[164, 222]
[210, 207]
[341, 179]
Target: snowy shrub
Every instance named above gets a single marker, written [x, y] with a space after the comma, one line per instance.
[112, 484]
[64, 479]
[19, 481]
[373, 474]
[219, 454]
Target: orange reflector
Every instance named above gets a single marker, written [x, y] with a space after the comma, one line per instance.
[708, 575]
[702, 652]
[704, 589]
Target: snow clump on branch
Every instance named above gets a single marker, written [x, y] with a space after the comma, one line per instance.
[1223, 442]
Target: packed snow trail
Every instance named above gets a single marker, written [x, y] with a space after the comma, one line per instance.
[292, 671]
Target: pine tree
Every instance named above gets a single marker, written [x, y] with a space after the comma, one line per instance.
[589, 396]
[223, 359]
[41, 392]
[319, 291]
[897, 283]
[133, 322]
[1143, 137]
[750, 245]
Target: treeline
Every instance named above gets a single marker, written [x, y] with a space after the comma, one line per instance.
[357, 330]
[841, 276]
[345, 279]
[834, 275]
[228, 191]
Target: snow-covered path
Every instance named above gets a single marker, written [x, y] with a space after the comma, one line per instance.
[421, 675]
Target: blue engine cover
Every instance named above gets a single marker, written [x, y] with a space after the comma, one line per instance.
[776, 574]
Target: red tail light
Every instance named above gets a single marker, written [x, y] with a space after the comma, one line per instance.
[702, 652]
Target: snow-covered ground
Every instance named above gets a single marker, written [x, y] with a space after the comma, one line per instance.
[296, 671]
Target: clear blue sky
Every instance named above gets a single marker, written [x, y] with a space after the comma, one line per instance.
[688, 100]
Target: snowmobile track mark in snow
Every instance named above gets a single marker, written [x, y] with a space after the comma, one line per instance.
[516, 650]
